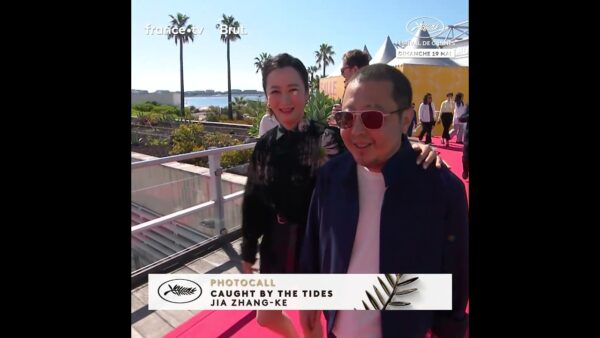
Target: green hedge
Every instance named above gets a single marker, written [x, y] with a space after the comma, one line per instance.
[191, 137]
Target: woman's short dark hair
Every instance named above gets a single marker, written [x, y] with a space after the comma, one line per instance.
[284, 60]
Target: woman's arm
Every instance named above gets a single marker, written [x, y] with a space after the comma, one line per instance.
[254, 210]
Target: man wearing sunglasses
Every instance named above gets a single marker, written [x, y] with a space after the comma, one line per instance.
[352, 61]
[373, 211]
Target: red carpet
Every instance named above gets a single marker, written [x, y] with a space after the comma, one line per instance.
[224, 324]
[242, 324]
[453, 156]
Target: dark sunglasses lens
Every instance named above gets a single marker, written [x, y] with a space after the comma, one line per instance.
[343, 119]
[372, 119]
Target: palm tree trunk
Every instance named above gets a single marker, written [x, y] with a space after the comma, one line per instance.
[182, 98]
[229, 111]
[324, 68]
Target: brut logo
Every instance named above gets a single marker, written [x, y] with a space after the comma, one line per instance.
[224, 29]
[179, 291]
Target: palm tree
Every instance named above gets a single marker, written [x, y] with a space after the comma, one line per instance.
[324, 56]
[312, 75]
[315, 83]
[260, 61]
[174, 33]
[312, 70]
[230, 35]
[239, 103]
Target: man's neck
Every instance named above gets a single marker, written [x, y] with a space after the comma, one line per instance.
[379, 167]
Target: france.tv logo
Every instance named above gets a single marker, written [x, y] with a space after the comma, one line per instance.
[179, 291]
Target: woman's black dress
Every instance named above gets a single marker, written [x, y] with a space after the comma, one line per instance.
[281, 178]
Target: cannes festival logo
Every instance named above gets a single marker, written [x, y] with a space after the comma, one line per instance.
[432, 25]
[179, 291]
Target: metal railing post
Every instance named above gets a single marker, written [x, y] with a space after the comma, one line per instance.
[216, 193]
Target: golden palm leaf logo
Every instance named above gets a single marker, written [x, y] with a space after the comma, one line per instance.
[391, 290]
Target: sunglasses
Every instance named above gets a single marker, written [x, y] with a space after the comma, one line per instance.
[371, 119]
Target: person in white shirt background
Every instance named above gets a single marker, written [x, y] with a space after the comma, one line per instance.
[267, 123]
[459, 110]
[446, 113]
[426, 116]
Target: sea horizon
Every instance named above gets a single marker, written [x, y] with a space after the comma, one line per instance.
[218, 100]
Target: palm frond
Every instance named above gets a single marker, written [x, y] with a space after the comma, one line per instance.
[408, 281]
[390, 279]
[384, 287]
[381, 299]
[373, 301]
[405, 292]
[399, 303]
[391, 291]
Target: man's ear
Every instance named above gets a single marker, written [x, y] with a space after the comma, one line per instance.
[406, 119]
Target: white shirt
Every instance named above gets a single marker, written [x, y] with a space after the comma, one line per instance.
[447, 106]
[365, 254]
[267, 123]
[458, 112]
[424, 112]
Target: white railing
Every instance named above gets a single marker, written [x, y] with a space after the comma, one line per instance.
[216, 194]
[195, 154]
[178, 214]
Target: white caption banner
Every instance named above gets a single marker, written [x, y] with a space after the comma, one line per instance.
[299, 292]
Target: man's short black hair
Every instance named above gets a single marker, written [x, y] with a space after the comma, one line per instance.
[356, 57]
[401, 88]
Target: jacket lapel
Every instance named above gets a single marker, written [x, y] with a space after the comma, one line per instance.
[347, 206]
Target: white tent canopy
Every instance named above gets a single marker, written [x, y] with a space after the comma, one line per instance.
[421, 40]
[385, 53]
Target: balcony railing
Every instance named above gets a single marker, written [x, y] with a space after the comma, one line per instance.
[161, 243]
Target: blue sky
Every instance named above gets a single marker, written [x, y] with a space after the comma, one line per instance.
[296, 27]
